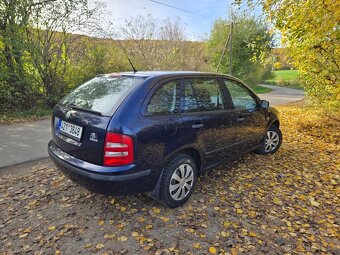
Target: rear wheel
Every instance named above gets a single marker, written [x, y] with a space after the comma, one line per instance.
[178, 180]
[272, 141]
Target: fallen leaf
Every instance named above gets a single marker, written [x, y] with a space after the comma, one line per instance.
[212, 250]
[100, 246]
[51, 228]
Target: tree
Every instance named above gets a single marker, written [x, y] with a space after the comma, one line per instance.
[251, 44]
[15, 76]
[50, 36]
[155, 44]
[310, 31]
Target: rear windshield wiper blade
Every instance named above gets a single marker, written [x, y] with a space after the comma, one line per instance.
[73, 107]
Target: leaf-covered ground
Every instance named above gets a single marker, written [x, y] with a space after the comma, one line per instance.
[287, 203]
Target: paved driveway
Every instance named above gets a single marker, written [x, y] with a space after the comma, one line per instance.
[282, 95]
[24, 142]
[21, 143]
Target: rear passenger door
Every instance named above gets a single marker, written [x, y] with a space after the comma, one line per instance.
[250, 118]
[206, 119]
[162, 122]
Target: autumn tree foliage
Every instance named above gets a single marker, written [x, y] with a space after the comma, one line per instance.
[44, 54]
[251, 45]
[310, 31]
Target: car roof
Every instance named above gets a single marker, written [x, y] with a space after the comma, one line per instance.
[169, 74]
[162, 73]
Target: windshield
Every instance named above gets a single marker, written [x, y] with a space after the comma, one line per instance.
[101, 94]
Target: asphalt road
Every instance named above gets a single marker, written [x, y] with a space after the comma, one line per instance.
[282, 95]
[20, 143]
[24, 142]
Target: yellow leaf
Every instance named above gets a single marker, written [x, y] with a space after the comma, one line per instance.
[51, 228]
[148, 226]
[252, 214]
[57, 252]
[134, 234]
[88, 245]
[33, 202]
[108, 236]
[123, 238]
[277, 201]
[101, 222]
[252, 233]
[165, 219]
[233, 251]
[23, 235]
[156, 210]
[224, 234]
[140, 219]
[239, 211]
[112, 201]
[197, 245]
[226, 223]
[27, 230]
[100, 246]
[203, 225]
[123, 209]
[212, 250]
[190, 230]
[313, 202]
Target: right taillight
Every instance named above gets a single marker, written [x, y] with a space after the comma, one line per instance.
[118, 150]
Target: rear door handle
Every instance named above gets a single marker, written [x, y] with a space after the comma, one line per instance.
[200, 125]
[240, 119]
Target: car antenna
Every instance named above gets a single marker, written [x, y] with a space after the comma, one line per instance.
[126, 54]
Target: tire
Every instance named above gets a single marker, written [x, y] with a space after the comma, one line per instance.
[272, 142]
[179, 166]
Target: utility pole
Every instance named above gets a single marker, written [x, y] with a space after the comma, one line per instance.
[229, 42]
[231, 47]
[223, 52]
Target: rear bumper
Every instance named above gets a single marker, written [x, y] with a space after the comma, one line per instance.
[100, 179]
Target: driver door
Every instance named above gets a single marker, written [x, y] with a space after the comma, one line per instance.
[250, 118]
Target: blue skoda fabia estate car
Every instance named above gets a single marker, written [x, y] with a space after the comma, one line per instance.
[156, 132]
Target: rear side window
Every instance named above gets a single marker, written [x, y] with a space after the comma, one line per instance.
[240, 96]
[202, 94]
[101, 94]
[165, 100]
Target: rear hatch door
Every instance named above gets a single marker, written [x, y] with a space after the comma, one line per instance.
[80, 119]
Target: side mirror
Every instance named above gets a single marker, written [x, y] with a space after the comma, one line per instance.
[264, 104]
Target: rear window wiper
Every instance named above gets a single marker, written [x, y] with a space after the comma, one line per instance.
[74, 107]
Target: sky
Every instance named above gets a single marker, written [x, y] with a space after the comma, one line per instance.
[197, 26]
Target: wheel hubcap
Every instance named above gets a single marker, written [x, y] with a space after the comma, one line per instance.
[181, 182]
[272, 141]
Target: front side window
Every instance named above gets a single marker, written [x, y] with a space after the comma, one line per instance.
[240, 96]
[202, 94]
[165, 100]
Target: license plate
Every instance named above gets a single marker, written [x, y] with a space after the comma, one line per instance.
[71, 130]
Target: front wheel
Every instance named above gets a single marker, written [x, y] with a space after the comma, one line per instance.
[178, 180]
[272, 141]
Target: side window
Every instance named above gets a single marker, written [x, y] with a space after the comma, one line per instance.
[165, 100]
[240, 96]
[202, 95]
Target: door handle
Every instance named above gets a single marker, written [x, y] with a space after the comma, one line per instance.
[200, 125]
[240, 119]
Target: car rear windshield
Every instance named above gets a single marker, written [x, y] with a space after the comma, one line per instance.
[102, 94]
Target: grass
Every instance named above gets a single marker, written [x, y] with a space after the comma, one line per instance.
[286, 78]
[24, 116]
[260, 90]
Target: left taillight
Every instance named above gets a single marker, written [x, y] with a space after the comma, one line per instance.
[118, 150]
